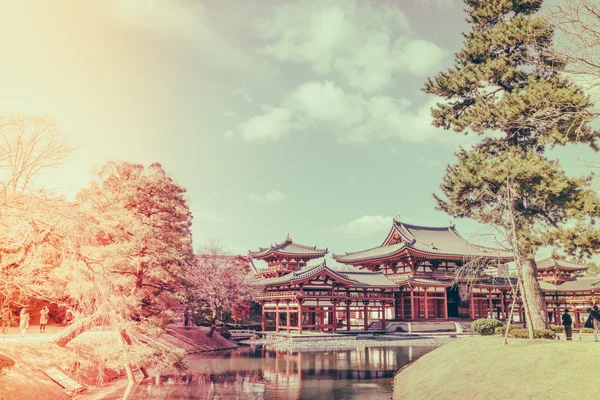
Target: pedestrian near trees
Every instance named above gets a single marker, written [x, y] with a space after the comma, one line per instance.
[24, 323]
[44, 319]
[595, 314]
[6, 317]
[567, 324]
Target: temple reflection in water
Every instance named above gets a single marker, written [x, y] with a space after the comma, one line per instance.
[258, 373]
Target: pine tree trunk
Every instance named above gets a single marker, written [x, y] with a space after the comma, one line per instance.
[538, 314]
[79, 327]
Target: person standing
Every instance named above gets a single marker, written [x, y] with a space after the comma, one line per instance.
[44, 318]
[24, 324]
[595, 321]
[567, 323]
[6, 317]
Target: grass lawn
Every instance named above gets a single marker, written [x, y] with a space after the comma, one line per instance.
[482, 368]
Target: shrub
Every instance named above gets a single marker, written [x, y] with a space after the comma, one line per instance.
[226, 335]
[587, 330]
[485, 326]
[558, 328]
[502, 329]
[537, 334]
[5, 362]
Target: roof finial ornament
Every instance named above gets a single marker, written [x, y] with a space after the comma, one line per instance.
[287, 237]
[397, 218]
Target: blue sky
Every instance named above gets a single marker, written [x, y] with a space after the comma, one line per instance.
[302, 117]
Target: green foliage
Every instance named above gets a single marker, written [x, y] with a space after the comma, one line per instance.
[502, 329]
[501, 82]
[587, 330]
[558, 328]
[485, 326]
[537, 334]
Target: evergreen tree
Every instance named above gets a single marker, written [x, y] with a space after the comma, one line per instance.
[502, 88]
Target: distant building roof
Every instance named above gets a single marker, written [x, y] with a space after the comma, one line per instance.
[585, 284]
[289, 249]
[435, 242]
[549, 263]
[361, 278]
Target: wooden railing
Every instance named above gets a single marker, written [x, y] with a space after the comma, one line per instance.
[242, 333]
[269, 295]
[580, 299]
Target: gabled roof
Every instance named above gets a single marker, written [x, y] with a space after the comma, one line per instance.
[562, 265]
[288, 248]
[578, 285]
[359, 278]
[442, 242]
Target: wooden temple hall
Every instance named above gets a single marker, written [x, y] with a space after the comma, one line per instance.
[412, 276]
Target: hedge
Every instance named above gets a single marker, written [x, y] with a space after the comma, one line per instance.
[558, 328]
[502, 329]
[485, 326]
[537, 334]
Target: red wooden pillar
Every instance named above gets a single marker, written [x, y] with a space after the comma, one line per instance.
[491, 304]
[502, 310]
[277, 316]
[287, 316]
[445, 303]
[521, 319]
[412, 303]
[300, 318]
[426, 303]
[366, 314]
[383, 315]
[264, 319]
[472, 305]
[348, 326]
[334, 317]
[402, 304]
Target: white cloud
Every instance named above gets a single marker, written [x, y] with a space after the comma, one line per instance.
[168, 16]
[352, 118]
[326, 102]
[229, 134]
[272, 196]
[441, 5]
[363, 43]
[244, 92]
[366, 225]
[273, 124]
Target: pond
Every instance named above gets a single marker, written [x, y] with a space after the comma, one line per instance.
[254, 372]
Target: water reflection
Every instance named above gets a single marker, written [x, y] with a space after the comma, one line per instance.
[257, 373]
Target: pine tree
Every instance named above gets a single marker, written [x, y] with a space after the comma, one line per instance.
[503, 88]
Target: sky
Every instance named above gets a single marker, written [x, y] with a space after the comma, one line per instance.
[304, 117]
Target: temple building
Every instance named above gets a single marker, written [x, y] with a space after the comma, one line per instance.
[423, 261]
[285, 257]
[416, 274]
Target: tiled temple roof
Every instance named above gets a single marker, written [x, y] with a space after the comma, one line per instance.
[578, 285]
[375, 279]
[432, 241]
[563, 265]
[288, 248]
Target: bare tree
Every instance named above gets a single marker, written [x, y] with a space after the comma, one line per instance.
[577, 23]
[29, 146]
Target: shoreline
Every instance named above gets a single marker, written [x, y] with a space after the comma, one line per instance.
[286, 344]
